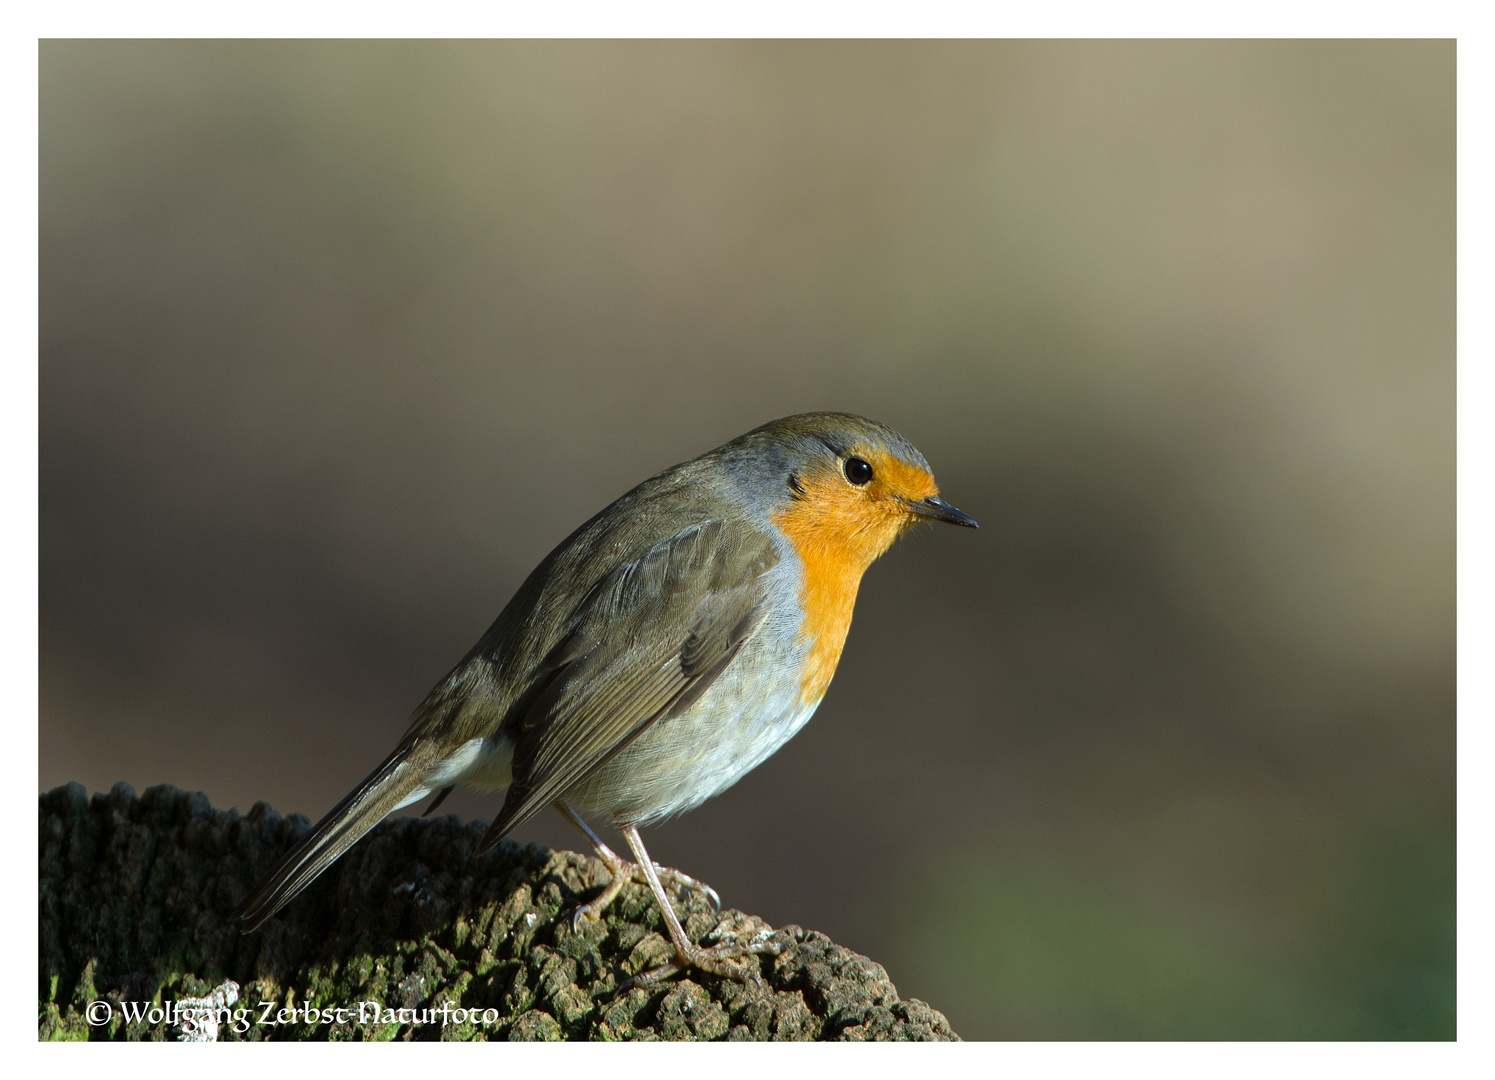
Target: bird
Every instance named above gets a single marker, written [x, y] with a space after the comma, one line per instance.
[663, 650]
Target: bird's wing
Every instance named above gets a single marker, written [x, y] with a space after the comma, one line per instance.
[648, 641]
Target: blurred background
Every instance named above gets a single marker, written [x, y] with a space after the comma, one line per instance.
[339, 339]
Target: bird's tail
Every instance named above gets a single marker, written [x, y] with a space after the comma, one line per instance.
[395, 783]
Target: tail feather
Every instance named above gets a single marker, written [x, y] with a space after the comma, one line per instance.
[393, 784]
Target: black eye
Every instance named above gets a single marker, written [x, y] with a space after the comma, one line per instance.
[857, 471]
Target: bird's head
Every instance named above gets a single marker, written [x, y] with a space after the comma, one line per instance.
[847, 487]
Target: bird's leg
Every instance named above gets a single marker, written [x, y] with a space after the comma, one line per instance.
[687, 953]
[622, 872]
[620, 869]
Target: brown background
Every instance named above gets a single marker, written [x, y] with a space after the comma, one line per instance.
[337, 340]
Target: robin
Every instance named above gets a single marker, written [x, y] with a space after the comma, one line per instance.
[663, 650]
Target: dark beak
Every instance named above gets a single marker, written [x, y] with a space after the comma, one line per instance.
[938, 509]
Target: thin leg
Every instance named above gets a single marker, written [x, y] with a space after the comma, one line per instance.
[687, 953]
[622, 871]
[604, 852]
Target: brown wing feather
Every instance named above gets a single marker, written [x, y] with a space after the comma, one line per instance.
[651, 639]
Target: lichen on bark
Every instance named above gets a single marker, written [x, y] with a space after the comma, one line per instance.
[136, 896]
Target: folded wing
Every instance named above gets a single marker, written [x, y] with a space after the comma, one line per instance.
[649, 640]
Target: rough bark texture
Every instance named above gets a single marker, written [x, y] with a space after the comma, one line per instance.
[135, 903]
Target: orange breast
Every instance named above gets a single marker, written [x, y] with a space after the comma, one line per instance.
[828, 595]
[837, 532]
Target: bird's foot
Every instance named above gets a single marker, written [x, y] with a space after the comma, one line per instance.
[718, 960]
[682, 883]
[623, 872]
[725, 960]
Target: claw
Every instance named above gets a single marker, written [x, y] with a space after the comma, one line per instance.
[653, 977]
[687, 884]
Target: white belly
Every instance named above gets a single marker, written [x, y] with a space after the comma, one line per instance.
[679, 764]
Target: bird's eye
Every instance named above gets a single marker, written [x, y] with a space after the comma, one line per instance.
[857, 471]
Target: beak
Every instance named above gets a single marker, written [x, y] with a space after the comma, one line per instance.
[938, 509]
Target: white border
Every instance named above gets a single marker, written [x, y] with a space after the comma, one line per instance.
[774, 18]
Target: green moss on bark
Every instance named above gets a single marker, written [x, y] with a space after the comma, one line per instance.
[135, 902]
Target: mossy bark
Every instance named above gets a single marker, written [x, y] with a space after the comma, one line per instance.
[135, 902]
